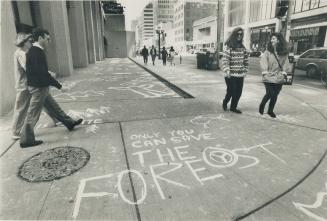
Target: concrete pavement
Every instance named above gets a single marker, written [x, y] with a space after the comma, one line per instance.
[156, 155]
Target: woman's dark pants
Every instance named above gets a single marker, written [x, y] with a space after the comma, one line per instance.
[234, 90]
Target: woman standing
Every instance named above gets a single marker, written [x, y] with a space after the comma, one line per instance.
[235, 68]
[273, 60]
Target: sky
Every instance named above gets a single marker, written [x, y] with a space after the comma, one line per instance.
[132, 10]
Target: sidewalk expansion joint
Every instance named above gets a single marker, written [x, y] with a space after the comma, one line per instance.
[241, 217]
[129, 174]
[6, 150]
[170, 85]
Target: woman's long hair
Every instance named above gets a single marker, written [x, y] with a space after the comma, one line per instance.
[281, 47]
[232, 39]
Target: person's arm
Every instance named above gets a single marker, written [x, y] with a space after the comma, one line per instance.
[264, 63]
[246, 60]
[21, 57]
[226, 60]
[287, 67]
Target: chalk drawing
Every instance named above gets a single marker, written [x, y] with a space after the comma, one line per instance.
[120, 190]
[288, 118]
[119, 176]
[78, 94]
[157, 177]
[89, 112]
[305, 208]
[122, 73]
[92, 129]
[146, 90]
[221, 158]
[206, 120]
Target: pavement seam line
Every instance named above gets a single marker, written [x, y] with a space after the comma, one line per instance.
[170, 85]
[6, 150]
[129, 174]
[282, 122]
[283, 193]
[45, 199]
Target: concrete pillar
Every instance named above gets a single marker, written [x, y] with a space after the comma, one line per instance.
[99, 32]
[102, 33]
[54, 18]
[96, 29]
[89, 31]
[77, 32]
[247, 30]
[226, 19]
[7, 47]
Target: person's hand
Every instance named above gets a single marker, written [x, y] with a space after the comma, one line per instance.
[53, 74]
[64, 89]
[228, 74]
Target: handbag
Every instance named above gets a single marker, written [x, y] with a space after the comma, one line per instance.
[275, 77]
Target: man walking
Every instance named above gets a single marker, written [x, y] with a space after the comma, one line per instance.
[23, 96]
[38, 81]
[153, 53]
[145, 54]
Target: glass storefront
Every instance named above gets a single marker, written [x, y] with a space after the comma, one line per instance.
[236, 12]
[304, 39]
[260, 37]
[305, 5]
[262, 10]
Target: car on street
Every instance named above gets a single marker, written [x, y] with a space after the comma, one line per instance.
[314, 62]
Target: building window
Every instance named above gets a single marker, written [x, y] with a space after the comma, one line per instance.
[298, 6]
[322, 3]
[314, 4]
[306, 5]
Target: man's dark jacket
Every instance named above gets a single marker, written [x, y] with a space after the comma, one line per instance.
[37, 72]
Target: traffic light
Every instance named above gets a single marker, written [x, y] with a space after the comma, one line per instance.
[281, 8]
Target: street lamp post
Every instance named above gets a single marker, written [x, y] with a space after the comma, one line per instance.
[159, 32]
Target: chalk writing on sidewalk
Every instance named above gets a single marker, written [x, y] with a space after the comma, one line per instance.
[206, 120]
[78, 94]
[174, 159]
[92, 129]
[146, 90]
[312, 210]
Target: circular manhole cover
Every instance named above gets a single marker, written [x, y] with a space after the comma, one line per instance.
[53, 164]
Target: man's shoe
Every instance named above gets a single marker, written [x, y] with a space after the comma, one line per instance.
[272, 114]
[236, 111]
[261, 109]
[35, 143]
[77, 122]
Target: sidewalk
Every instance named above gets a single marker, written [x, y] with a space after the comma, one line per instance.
[155, 155]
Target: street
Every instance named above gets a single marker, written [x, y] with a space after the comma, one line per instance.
[254, 69]
[156, 145]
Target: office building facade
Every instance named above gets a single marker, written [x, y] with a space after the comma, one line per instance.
[185, 13]
[76, 29]
[306, 27]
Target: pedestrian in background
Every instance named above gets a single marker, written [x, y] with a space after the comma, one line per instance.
[164, 55]
[153, 53]
[145, 54]
[273, 61]
[235, 67]
[38, 81]
[172, 55]
[23, 96]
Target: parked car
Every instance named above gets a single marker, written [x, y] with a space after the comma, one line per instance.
[314, 62]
